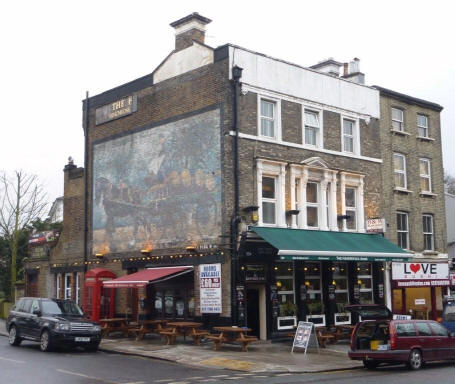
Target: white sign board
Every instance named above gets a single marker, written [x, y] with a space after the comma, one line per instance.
[305, 336]
[375, 225]
[419, 302]
[210, 288]
[402, 317]
[420, 271]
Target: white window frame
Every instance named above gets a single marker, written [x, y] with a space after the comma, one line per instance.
[355, 208]
[266, 168]
[319, 132]
[426, 176]
[276, 117]
[401, 122]
[57, 285]
[428, 233]
[269, 199]
[401, 230]
[355, 134]
[67, 289]
[316, 205]
[349, 180]
[77, 286]
[400, 171]
[367, 277]
[424, 127]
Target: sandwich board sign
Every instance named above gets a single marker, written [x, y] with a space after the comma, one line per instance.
[305, 336]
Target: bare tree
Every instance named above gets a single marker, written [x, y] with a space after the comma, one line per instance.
[22, 200]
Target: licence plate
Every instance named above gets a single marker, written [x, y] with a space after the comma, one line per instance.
[82, 339]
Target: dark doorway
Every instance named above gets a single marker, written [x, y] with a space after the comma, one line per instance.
[252, 311]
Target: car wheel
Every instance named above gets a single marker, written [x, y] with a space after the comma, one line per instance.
[415, 360]
[46, 341]
[370, 364]
[92, 347]
[13, 339]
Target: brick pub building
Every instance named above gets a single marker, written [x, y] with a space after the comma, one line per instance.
[223, 158]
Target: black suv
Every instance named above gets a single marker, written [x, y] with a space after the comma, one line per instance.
[51, 322]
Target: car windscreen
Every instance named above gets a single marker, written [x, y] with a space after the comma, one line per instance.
[51, 307]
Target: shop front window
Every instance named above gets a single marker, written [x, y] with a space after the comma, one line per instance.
[191, 303]
[284, 277]
[313, 283]
[340, 280]
[365, 281]
[169, 304]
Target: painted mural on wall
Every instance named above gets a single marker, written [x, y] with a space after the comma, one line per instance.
[160, 187]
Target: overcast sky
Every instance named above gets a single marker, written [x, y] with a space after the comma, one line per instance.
[53, 51]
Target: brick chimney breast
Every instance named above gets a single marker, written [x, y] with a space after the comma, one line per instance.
[188, 29]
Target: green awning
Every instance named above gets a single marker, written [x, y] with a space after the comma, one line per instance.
[303, 244]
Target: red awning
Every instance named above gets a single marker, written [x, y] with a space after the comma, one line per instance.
[142, 278]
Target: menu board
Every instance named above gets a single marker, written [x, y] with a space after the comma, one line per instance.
[304, 334]
[210, 288]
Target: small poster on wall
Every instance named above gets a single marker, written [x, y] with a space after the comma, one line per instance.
[210, 288]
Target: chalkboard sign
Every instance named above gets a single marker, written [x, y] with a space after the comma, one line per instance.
[381, 291]
[274, 300]
[331, 292]
[356, 292]
[305, 336]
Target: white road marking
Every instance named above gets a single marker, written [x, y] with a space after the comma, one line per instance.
[234, 378]
[220, 376]
[283, 374]
[195, 378]
[179, 382]
[86, 376]
[259, 376]
[12, 360]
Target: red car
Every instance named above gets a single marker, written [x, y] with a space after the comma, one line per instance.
[379, 339]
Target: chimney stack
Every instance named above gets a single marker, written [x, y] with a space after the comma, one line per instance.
[352, 71]
[188, 29]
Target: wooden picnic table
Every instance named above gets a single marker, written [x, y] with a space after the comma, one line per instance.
[232, 334]
[147, 326]
[343, 331]
[118, 324]
[182, 328]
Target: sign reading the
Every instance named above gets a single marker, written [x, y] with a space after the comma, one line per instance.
[375, 225]
[254, 272]
[115, 110]
[210, 288]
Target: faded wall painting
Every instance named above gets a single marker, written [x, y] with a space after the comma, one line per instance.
[160, 187]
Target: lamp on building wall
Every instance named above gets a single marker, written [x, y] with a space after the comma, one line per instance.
[191, 248]
[292, 212]
[146, 252]
[99, 255]
[253, 210]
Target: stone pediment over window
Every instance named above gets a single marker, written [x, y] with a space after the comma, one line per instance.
[316, 162]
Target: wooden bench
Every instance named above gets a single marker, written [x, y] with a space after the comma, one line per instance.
[170, 335]
[245, 340]
[217, 339]
[323, 338]
[198, 334]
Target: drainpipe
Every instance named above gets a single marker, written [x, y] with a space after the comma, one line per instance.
[236, 219]
[86, 125]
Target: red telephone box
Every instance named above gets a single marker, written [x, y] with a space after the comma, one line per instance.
[98, 301]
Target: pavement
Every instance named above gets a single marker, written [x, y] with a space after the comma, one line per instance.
[262, 356]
